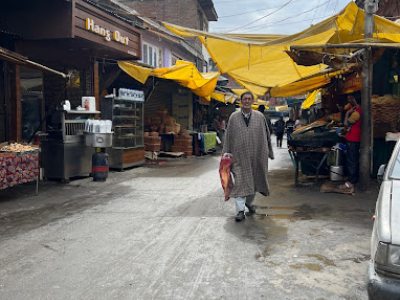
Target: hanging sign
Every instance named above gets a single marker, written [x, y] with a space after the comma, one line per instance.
[133, 95]
[108, 34]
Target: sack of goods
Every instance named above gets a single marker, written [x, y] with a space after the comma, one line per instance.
[385, 115]
[162, 122]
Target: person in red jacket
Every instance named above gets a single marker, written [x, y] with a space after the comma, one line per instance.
[352, 122]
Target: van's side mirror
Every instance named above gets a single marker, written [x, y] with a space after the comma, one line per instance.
[381, 172]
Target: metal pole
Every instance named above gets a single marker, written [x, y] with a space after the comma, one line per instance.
[370, 6]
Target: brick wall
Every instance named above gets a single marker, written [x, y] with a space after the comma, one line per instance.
[182, 12]
[186, 13]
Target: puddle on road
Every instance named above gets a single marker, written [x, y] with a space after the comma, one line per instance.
[316, 267]
[359, 259]
[326, 261]
[309, 266]
[303, 212]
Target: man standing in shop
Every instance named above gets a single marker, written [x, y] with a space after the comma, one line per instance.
[352, 122]
[248, 142]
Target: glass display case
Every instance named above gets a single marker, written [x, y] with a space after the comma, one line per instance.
[126, 110]
[128, 123]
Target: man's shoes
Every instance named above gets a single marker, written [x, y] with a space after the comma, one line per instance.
[251, 208]
[240, 216]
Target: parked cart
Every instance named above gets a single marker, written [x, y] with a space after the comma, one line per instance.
[310, 161]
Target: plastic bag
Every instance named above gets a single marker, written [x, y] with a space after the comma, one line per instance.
[226, 175]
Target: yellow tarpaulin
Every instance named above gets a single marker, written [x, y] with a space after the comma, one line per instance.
[183, 72]
[223, 97]
[305, 85]
[260, 66]
[239, 92]
[310, 100]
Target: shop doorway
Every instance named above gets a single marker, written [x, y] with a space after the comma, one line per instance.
[32, 104]
[3, 106]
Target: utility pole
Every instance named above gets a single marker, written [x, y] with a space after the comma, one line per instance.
[370, 7]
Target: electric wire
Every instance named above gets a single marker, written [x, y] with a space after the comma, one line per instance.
[245, 13]
[290, 17]
[335, 6]
[296, 22]
[315, 11]
[263, 17]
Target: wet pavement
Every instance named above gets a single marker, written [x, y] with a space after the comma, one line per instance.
[164, 232]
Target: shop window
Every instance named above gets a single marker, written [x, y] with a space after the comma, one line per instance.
[80, 83]
[32, 103]
[151, 55]
[145, 56]
[160, 58]
[74, 87]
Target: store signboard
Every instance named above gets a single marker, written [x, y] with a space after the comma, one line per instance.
[133, 95]
[111, 33]
[108, 34]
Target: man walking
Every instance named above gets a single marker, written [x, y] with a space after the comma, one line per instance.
[279, 131]
[261, 109]
[248, 141]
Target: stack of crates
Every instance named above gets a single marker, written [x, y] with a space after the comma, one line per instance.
[152, 141]
[183, 143]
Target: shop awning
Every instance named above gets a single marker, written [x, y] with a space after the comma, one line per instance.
[183, 72]
[307, 84]
[22, 60]
[260, 66]
[311, 99]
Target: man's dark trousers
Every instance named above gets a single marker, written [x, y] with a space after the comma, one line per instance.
[352, 161]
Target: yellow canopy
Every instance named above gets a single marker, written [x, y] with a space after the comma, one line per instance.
[183, 72]
[304, 85]
[311, 99]
[264, 65]
[239, 92]
[223, 97]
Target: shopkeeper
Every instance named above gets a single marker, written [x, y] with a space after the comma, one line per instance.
[352, 123]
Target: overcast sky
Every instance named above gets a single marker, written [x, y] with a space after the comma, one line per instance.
[272, 16]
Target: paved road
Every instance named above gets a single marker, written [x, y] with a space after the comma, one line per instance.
[166, 233]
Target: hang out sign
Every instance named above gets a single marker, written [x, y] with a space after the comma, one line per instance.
[106, 33]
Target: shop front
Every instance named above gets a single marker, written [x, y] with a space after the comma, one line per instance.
[79, 39]
[319, 147]
[172, 107]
